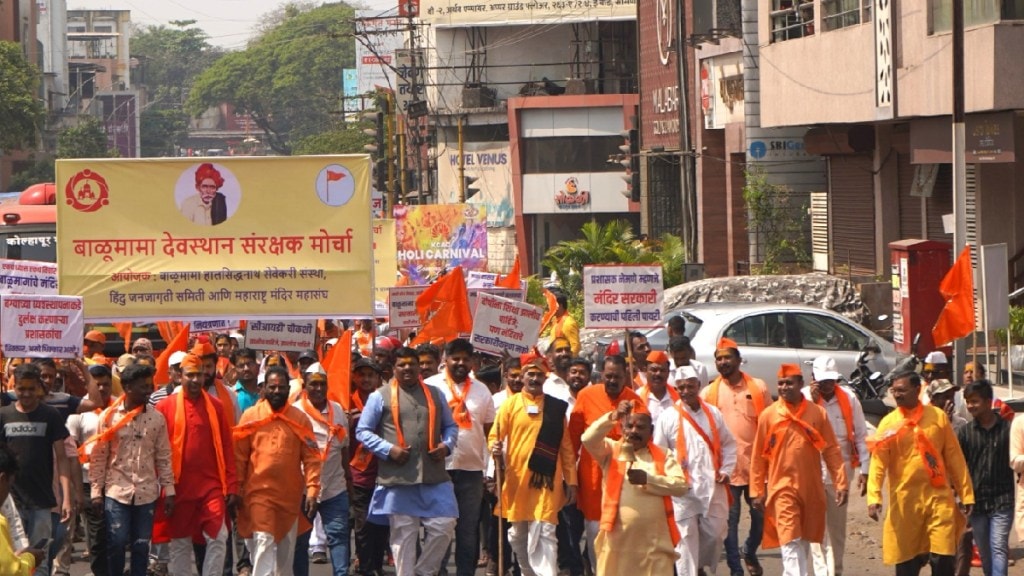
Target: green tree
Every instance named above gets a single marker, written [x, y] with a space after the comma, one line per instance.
[778, 223]
[347, 139]
[289, 78]
[87, 140]
[39, 171]
[170, 58]
[21, 112]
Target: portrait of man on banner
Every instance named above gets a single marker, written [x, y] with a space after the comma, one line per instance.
[207, 194]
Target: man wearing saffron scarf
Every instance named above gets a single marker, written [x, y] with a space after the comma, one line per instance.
[330, 424]
[129, 463]
[473, 411]
[279, 466]
[656, 393]
[847, 418]
[540, 468]
[408, 426]
[204, 471]
[793, 437]
[592, 403]
[916, 449]
[638, 529]
[695, 433]
[741, 398]
[213, 383]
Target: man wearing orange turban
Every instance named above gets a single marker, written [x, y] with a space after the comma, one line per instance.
[793, 437]
[208, 207]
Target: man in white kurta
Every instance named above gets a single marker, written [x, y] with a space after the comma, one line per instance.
[702, 515]
[638, 532]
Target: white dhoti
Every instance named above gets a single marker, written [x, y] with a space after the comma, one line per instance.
[794, 558]
[827, 557]
[271, 557]
[536, 547]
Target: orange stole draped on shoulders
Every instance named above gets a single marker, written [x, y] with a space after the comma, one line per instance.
[178, 438]
[613, 487]
[846, 409]
[752, 389]
[930, 458]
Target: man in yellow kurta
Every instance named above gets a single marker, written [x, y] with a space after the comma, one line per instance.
[638, 532]
[916, 449]
[540, 468]
[563, 325]
[278, 464]
[793, 437]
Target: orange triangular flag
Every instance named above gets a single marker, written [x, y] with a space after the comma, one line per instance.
[444, 308]
[125, 330]
[339, 373]
[549, 314]
[957, 288]
[178, 344]
[512, 281]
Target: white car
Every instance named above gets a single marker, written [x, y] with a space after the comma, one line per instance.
[772, 334]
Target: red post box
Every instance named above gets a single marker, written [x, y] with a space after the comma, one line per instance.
[918, 267]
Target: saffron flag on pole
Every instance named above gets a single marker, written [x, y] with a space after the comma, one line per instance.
[339, 371]
[957, 288]
[512, 280]
[549, 315]
[125, 330]
[444, 309]
[178, 344]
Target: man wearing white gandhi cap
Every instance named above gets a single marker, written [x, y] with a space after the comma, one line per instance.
[701, 442]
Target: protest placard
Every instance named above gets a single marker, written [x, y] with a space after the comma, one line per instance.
[478, 279]
[27, 277]
[282, 335]
[510, 293]
[41, 326]
[629, 296]
[504, 324]
[402, 306]
[214, 325]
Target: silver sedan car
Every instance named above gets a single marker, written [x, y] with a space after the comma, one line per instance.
[772, 334]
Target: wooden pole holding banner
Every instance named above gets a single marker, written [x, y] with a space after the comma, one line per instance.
[498, 462]
[629, 357]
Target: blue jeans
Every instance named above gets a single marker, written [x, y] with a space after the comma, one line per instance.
[128, 525]
[992, 535]
[38, 524]
[732, 550]
[334, 515]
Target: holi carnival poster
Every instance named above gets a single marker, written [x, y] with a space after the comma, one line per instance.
[433, 238]
[194, 238]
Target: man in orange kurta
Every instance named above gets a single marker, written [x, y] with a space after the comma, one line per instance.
[592, 403]
[793, 437]
[278, 464]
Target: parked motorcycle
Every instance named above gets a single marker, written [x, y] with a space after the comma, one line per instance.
[868, 384]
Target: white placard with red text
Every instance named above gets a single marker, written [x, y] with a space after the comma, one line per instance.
[402, 306]
[501, 324]
[40, 326]
[27, 277]
[282, 334]
[627, 296]
[510, 293]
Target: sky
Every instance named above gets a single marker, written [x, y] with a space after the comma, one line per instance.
[229, 23]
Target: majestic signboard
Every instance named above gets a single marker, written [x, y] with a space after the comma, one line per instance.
[188, 238]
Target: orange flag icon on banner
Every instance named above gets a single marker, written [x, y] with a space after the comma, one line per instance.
[444, 308]
[178, 344]
[125, 330]
[512, 280]
[957, 317]
[339, 371]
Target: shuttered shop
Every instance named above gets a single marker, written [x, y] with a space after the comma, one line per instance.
[852, 214]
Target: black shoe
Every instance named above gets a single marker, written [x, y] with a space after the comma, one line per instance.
[318, 558]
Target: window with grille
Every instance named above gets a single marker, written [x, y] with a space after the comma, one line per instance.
[791, 19]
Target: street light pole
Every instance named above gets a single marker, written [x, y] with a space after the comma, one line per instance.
[959, 157]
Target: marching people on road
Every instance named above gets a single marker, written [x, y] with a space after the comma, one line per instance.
[696, 434]
[846, 415]
[916, 452]
[530, 440]
[793, 438]
[741, 398]
[638, 533]
[408, 426]
[657, 395]
[371, 539]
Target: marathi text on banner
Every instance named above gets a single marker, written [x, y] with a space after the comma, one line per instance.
[473, 295]
[436, 237]
[214, 325]
[41, 326]
[27, 277]
[622, 296]
[149, 239]
[402, 306]
[283, 334]
[443, 13]
[501, 324]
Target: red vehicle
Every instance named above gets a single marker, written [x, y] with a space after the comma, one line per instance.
[28, 227]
